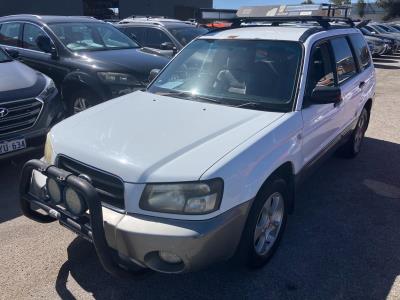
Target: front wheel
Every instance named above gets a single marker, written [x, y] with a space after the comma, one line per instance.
[265, 225]
[80, 101]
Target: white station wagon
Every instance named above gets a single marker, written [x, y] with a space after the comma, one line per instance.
[204, 165]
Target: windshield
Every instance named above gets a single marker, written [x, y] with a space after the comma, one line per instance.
[184, 35]
[258, 74]
[91, 36]
[365, 31]
[378, 29]
[4, 57]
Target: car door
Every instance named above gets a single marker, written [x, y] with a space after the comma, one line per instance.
[158, 39]
[320, 125]
[33, 56]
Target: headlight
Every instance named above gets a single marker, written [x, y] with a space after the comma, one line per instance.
[118, 78]
[49, 89]
[48, 150]
[183, 198]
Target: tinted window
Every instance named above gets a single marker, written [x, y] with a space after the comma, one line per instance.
[345, 64]
[361, 48]
[186, 34]
[235, 72]
[138, 33]
[155, 37]
[31, 33]
[91, 36]
[9, 34]
[321, 70]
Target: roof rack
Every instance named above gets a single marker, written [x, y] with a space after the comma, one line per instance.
[323, 14]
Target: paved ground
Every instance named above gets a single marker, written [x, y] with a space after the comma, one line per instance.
[343, 242]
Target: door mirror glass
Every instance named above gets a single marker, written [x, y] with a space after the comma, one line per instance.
[167, 46]
[153, 74]
[45, 44]
[326, 95]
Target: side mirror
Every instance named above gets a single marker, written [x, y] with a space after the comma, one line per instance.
[13, 53]
[45, 44]
[167, 46]
[326, 95]
[153, 74]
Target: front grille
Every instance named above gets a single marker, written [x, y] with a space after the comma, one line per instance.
[109, 187]
[22, 114]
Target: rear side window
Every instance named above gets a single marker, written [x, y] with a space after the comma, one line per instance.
[361, 49]
[345, 64]
[9, 34]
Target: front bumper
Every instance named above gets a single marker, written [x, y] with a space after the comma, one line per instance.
[136, 238]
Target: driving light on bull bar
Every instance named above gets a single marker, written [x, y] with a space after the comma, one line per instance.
[74, 202]
[54, 190]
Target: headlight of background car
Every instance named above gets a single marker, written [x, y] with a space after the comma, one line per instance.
[49, 89]
[48, 150]
[118, 78]
[183, 198]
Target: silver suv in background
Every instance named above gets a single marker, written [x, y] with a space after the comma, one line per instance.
[165, 36]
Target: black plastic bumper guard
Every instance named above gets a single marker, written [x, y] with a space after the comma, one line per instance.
[93, 231]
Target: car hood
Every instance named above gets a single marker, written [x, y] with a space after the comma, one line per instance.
[17, 81]
[142, 137]
[136, 60]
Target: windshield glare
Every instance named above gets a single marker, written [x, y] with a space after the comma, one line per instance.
[235, 72]
[91, 36]
[186, 34]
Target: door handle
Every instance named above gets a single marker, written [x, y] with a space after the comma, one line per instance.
[362, 83]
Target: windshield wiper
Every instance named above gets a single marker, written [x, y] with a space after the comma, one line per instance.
[191, 96]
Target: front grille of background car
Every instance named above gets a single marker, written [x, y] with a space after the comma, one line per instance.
[22, 115]
[109, 187]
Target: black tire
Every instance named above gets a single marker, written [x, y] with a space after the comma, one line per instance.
[90, 98]
[353, 146]
[247, 255]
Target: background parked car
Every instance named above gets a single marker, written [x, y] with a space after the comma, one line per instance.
[89, 60]
[166, 36]
[29, 106]
[393, 42]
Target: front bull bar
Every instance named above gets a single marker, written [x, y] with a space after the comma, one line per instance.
[95, 233]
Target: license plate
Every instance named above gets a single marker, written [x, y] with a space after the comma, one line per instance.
[11, 146]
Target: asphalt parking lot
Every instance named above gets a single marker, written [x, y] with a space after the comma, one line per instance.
[343, 241]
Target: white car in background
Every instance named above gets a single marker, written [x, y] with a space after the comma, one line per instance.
[205, 164]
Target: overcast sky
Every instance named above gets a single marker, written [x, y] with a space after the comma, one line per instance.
[237, 3]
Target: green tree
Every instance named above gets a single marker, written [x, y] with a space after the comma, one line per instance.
[361, 5]
[307, 2]
[392, 8]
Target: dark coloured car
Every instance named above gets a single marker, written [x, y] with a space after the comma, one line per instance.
[165, 36]
[89, 60]
[29, 106]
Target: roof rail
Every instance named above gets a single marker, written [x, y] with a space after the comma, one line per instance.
[323, 14]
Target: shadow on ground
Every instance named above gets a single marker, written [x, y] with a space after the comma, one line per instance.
[343, 241]
[386, 67]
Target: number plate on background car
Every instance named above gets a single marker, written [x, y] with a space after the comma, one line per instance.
[13, 145]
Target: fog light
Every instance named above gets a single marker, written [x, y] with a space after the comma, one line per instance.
[54, 190]
[170, 257]
[74, 202]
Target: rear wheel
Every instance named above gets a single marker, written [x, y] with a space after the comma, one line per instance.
[265, 225]
[353, 145]
[81, 100]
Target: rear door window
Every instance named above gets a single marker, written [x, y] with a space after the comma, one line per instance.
[345, 63]
[138, 33]
[10, 34]
[361, 49]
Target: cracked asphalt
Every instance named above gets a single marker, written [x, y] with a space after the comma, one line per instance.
[342, 242]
